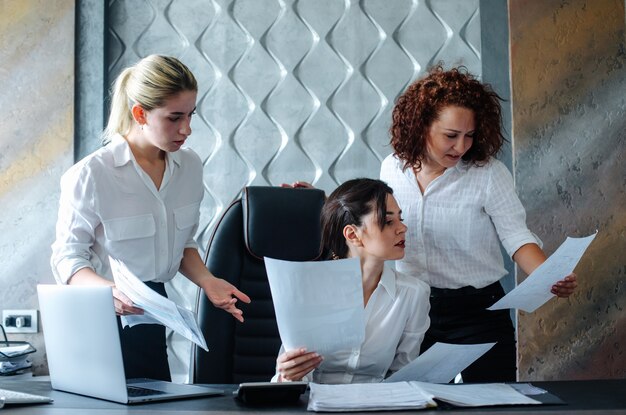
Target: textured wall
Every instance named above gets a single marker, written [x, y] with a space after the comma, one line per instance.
[36, 144]
[292, 89]
[569, 122]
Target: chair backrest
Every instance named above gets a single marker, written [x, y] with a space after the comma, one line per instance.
[275, 222]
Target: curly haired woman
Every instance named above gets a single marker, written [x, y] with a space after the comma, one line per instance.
[460, 204]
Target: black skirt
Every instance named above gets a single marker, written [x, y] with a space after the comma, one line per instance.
[459, 316]
[144, 349]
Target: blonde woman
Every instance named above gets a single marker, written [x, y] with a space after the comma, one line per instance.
[137, 199]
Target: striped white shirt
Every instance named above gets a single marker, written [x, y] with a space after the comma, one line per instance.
[455, 228]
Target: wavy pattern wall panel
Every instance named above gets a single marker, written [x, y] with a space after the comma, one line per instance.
[293, 90]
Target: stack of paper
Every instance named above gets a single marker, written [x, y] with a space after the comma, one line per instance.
[410, 395]
[368, 397]
[478, 394]
[13, 358]
[157, 309]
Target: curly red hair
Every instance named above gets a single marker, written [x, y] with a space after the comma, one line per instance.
[419, 106]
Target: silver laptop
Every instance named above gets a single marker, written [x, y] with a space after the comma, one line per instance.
[84, 352]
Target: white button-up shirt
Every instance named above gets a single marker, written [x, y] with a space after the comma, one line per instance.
[110, 206]
[396, 319]
[455, 227]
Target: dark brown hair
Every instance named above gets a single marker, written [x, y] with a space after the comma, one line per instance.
[419, 106]
[347, 205]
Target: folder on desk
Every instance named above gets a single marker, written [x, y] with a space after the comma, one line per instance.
[420, 395]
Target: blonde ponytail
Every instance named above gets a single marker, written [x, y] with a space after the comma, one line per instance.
[120, 117]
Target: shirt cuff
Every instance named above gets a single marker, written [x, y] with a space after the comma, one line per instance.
[514, 242]
[191, 244]
[68, 267]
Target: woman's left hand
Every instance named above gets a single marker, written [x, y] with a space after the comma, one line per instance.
[224, 295]
[565, 287]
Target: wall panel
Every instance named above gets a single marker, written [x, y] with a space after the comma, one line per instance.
[36, 144]
[569, 121]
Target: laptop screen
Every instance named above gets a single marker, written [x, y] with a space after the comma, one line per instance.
[82, 340]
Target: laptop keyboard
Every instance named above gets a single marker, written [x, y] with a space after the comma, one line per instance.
[136, 391]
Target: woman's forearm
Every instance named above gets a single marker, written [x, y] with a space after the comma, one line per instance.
[87, 276]
[529, 257]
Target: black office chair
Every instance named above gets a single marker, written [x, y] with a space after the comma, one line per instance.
[275, 222]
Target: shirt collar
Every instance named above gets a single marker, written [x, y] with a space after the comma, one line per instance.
[121, 150]
[461, 167]
[388, 281]
[122, 154]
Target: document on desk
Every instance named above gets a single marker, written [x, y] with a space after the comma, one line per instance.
[410, 395]
[477, 394]
[157, 309]
[14, 351]
[318, 305]
[440, 363]
[534, 291]
[368, 397]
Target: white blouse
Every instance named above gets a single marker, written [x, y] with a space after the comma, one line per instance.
[110, 206]
[396, 319]
[455, 228]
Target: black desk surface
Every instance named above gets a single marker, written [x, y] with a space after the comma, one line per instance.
[582, 397]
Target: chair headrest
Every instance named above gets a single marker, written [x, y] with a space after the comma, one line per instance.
[282, 223]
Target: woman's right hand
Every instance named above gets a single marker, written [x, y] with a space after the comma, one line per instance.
[123, 305]
[293, 365]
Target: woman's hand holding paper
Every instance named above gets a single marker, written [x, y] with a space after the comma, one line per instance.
[293, 365]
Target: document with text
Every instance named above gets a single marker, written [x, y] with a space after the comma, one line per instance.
[477, 394]
[411, 395]
[534, 291]
[157, 309]
[318, 305]
[440, 363]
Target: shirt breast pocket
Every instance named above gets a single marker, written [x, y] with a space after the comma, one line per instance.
[185, 219]
[131, 238]
[451, 228]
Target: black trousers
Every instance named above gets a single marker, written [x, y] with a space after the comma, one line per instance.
[459, 316]
[144, 349]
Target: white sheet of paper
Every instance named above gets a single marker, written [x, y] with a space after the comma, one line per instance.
[534, 291]
[440, 363]
[318, 305]
[12, 351]
[477, 394]
[157, 309]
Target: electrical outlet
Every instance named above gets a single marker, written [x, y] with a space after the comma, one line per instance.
[20, 321]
